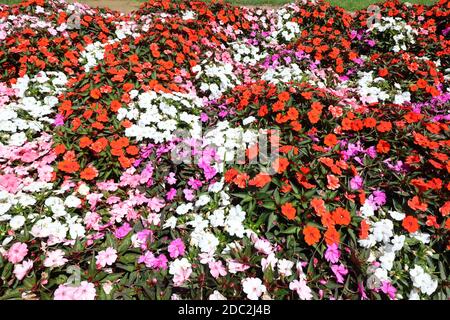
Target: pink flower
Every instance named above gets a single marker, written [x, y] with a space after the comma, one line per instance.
[171, 178]
[17, 252]
[106, 257]
[339, 272]
[64, 292]
[388, 289]
[21, 270]
[123, 231]
[176, 248]
[171, 194]
[9, 182]
[217, 269]
[189, 194]
[332, 254]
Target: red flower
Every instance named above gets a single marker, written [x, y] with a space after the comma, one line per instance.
[95, 93]
[288, 211]
[88, 173]
[332, 236]
[280, 164]
[312, 235]
[415, 204]
[341, 216]
[330, 140]
[241, 180]
[260, 180]
[230, 174]
[383, 146]
[410, 224]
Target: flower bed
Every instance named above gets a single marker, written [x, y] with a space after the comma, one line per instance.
[132, 163]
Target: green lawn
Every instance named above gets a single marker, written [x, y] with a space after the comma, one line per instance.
[347, 4]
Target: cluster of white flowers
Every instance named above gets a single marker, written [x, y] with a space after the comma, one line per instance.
[247, 54]
[156, 116]
[35, 105]
[215, 78]
[395, 32]
[286, 30]
[385, 245]
[422, 281]
[230, 143]
[284, 74]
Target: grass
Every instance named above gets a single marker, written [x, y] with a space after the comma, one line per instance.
[347, 4]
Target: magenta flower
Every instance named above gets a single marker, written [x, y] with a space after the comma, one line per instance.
[388, 289]
[339, 271]
[332, 254]
[176, 248]
[123, 231]
[356, 183]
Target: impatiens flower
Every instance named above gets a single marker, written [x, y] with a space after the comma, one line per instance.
[123, 231]
[332, 253]
[217, 269]
[253, 287]
[176, 248]
[410, 224]
[288, 211]
[300, 286]
[55, 259]
[388, 289]
[181, 269]
[333, 182]
[339, 271]
[17, 252]
[22, 269]
[356, 183]
[312, 235]
[106, 257]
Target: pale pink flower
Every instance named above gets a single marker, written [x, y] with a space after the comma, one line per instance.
[55, 259]
[21, 270]
[17, 252]
[253, 287]
[106, 257]
[9, 182]
[217, 269]
[302, 289]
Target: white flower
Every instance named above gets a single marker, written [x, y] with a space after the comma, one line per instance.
[217, 218]
[216, 295]
[202, 200]
[184, 208]
[17, 222]
[72, 202]
[285, 267]
[253, 287]
[397, 215]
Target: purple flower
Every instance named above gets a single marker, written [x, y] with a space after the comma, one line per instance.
[332, 254]
[356, 183]
[123, 231]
